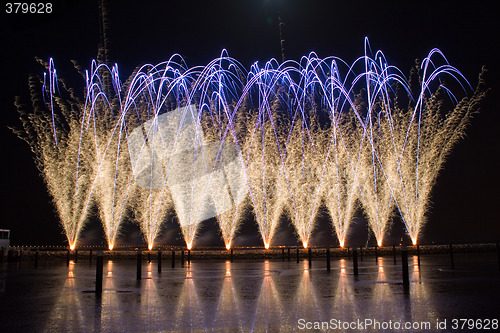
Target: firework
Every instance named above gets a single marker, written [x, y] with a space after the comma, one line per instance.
[207, 141]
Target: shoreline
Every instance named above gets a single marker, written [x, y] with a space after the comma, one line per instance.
[239, 253]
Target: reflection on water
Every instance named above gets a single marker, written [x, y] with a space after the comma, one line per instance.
[240, 296]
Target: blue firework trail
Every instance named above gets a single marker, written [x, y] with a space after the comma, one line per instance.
[282, 138]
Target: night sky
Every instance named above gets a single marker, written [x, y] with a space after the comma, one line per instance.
[465, 201]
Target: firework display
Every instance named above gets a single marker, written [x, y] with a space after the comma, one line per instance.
[219, 140]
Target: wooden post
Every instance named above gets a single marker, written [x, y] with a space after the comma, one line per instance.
[452, 261]
[355, 260]
[498, 255]
[328, 258]
[182, 258]
[394, 254]
[297, 254]
[289, 252]
[139, 259]
[404, 265]
[309, 253]
[159, 261]
[418, 255]
[173, 258]
[98, 273]
[36, 258]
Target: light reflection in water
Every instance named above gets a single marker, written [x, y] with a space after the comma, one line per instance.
[240, 296]
[306, 303]
[107, 308]
[269, 305]
[380, 263]
[382, 293]
[150, 270]
[110, 268]
[151, 303]
[415, 264]
[228, 303]
[342, 266]
[71, 266]
[61, 315]
[305, 265]
[343, 295]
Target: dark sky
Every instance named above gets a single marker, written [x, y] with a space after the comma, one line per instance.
[466, 198]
